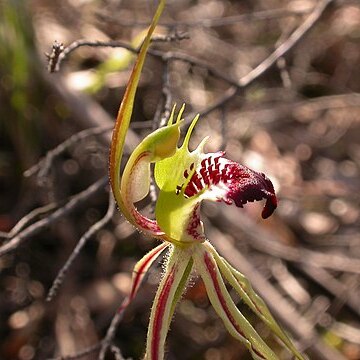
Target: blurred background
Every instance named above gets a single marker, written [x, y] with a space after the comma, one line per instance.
[299, 123]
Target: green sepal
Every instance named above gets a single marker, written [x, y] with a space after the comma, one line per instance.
[235, 322]
[182, 286]
[164, 302]
[243, 287]
[124, 116]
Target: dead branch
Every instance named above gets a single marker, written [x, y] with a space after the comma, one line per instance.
[82, 242]
[44, 165]
[215, 22]
[72, 204]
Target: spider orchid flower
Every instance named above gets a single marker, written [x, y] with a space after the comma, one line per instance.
[184, 179]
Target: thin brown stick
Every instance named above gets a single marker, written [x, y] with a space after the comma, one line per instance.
[79, 246]
[44, 165]
[28, 218]
[335, 287]
[216, 22]
[287, 45]
[60, 53]
[245, 81]
[80, 354]
[166, 92]
[36, 227]
[268, 243]
[264, 66]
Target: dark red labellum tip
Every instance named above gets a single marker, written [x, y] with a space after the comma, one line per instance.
[270, 206]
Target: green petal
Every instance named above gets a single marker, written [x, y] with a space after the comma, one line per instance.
[176, 214]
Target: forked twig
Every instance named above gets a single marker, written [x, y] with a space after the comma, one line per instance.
[59, 52]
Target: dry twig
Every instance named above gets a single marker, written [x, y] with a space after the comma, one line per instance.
[81, 243]
[70, 205]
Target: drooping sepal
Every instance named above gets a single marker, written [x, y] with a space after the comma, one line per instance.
[143, 265]
[139, 272]
[234, 321]
[162, 310]
[243, 287]
[121, 127]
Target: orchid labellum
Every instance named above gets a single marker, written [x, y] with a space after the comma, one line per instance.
[185, 179]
